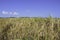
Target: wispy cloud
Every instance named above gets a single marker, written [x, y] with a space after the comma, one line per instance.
[15, 13]
[9, 13]
[4, 12]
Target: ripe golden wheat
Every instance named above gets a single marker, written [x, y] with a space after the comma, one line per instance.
[30, 28]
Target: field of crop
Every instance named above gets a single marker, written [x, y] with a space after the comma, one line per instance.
[30, 28]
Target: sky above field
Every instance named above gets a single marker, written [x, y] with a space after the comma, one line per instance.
[29, 8]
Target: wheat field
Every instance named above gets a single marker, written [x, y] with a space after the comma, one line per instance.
[26, 28]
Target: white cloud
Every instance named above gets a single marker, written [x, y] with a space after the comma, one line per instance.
[4, 12]
[15, 13]
[10, 13]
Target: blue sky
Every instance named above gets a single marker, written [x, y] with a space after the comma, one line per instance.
[29, 8]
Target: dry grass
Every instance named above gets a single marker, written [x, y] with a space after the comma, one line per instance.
[30, 28]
